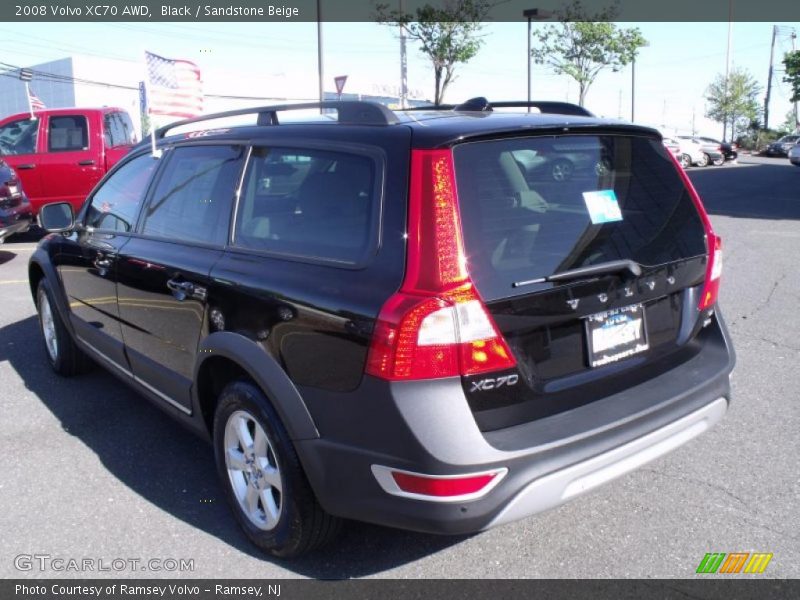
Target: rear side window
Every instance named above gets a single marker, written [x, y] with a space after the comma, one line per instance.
[532, 207]
[307, 203]
[68, 133]
[115, 205]
[19, 137]
[118, 130]
[193, 199]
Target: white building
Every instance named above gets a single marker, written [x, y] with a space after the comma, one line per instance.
[91, 82]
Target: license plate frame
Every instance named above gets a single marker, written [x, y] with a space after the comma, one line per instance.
[616, 334]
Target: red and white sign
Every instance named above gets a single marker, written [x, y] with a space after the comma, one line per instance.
[340, 81]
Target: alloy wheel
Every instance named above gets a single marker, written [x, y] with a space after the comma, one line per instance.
[253, 470]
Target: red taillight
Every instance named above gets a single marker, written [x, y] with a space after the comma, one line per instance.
[437, 324]
[441, 487]
[708, 297]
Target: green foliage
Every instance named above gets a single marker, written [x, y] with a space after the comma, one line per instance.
[582, 45]
[791, 63]
[789, 125]
[447, 34]
[735, 101]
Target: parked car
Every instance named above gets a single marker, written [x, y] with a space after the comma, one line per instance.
[62, 153]
[712, 152]
[562, 162]
[15, 210]
[672, 145]
[782, 146]
[729, 150]
[794, 155]
[378, 318]
[690, 153]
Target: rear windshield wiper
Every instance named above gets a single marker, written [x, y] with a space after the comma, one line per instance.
[612, 266]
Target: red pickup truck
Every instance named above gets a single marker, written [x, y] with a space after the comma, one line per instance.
[62, 153]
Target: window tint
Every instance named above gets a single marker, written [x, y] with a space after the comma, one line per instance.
[126, 128]
[116, 204]
[118, 130]
[194, 195]
[68, 133]
[533, 207]
[309, 203]
[19, 137]
[111, 130]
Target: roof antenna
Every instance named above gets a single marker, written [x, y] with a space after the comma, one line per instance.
[479, 104]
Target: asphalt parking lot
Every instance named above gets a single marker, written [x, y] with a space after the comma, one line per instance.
[91, 470]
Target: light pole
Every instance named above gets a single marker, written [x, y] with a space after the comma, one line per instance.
[319, 53]
[533, 14]
[633, 82]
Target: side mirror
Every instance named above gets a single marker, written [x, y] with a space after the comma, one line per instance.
[57, 217]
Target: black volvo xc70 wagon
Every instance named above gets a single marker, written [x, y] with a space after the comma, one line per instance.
[398, 317]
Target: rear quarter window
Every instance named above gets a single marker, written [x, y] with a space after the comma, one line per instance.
[532, 207]
[308, 203]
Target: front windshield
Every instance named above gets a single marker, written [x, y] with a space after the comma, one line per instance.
[19, 137]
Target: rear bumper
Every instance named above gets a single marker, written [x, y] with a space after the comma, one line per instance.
[426, 427]
[13, 220]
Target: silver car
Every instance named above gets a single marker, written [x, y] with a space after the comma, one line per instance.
[794, 155]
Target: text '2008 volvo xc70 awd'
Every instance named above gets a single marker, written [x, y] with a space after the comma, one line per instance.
[442, 320]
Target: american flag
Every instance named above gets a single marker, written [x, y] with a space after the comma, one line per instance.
[174, 87]
[36, 103]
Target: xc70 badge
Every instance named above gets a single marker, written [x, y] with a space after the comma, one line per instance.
[493, 383]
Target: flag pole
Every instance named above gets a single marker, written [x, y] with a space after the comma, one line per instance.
[30, 104]
[155, 152]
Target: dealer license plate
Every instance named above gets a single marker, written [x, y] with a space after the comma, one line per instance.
[616, 334]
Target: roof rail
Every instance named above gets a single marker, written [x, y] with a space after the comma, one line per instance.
[483, 105]
[351, 112]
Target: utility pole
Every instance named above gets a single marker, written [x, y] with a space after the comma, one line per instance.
[769, 79]
[319, 54]
[728, 68]
[403, 62]
[796, 121]
[633, 89]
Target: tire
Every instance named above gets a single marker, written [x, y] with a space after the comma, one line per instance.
[63, 354]
[562, 170]
[602, 167]
[718, 162]
[263, 479]
[686, 161]
[704, 160]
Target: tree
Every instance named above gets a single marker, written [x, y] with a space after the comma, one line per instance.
[733, 102]
[583, 45]
[790, 123]
[448, 34]
[792, 64]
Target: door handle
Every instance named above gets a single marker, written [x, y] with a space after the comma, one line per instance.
[102, 262]
[26, 166]
[85, 163]
[180, 289]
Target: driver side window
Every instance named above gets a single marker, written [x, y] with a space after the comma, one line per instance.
[19, 137]
[116, 204]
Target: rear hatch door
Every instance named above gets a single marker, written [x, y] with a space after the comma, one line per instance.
[589, 253]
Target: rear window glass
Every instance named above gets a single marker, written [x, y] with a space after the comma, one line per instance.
[532, 207]
[307, 203]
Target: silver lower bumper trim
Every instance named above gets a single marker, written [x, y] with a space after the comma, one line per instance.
[558, 487]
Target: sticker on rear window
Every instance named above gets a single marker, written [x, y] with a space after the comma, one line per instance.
[602, 206]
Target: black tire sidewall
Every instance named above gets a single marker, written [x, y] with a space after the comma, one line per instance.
[286, 538]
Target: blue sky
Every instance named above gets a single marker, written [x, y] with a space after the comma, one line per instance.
[671, 74]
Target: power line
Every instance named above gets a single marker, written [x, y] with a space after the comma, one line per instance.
[66, 79]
